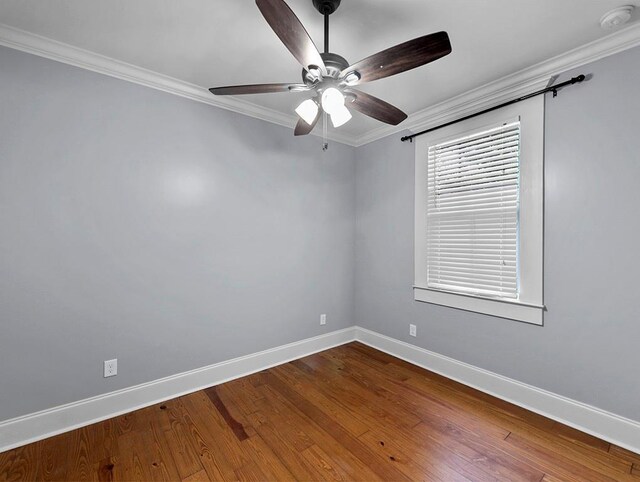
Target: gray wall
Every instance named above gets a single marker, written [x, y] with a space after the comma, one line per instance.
[588, 348]
[172, 235]
[166, 233]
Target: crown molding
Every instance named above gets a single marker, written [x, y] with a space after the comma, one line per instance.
[52, 49]
[488, 95]
[510, 87]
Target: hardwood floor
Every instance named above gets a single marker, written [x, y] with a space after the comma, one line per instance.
[349, 413]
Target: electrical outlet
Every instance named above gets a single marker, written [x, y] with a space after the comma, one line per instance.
[323, 319]
[412, 330]
[111, 368]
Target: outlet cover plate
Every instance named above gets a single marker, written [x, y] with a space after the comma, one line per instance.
[323, 319]
[111, 368]
[412, 330]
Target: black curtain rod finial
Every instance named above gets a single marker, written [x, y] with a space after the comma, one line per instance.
[551, 88]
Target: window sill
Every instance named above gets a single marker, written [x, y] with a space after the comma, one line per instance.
[513, 310]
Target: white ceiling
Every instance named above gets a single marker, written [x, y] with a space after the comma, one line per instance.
[222, 42]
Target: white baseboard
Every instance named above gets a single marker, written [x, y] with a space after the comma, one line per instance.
[599, 423]
[40, 425]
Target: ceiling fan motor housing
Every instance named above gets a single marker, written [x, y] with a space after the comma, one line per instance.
[334, 64]
[326, 7]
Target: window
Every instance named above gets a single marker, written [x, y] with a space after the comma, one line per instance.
[472, 213]
[479, 208]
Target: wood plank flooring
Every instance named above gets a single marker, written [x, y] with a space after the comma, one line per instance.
[349, 413]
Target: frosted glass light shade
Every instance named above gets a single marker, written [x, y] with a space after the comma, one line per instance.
[308, 111]
[340, 116]
[332, 100]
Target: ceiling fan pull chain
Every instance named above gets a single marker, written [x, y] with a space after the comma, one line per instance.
[325, 141]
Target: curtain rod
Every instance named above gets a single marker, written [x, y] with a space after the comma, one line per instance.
[552, 88]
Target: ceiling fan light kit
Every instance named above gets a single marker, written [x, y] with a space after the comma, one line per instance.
[329, 77]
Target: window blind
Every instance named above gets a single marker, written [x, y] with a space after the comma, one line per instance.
[472, 213]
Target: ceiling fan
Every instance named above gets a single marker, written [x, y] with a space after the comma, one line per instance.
[330, 77]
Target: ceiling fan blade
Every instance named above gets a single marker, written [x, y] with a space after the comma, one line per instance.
[302, 128]
[376, 108]
[291, 32]
[402, 57]
[257, 89]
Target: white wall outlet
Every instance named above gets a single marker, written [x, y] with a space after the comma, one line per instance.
[412, 330]
[111, 368]
[323, 319]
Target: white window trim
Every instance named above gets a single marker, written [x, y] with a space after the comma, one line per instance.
[529, 307]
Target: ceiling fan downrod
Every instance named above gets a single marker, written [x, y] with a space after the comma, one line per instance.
[326, 8]
[326, 33]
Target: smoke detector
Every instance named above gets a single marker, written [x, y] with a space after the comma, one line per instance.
[616, 18]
